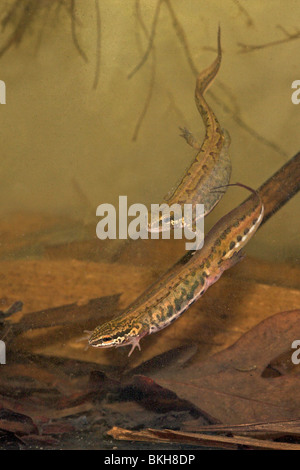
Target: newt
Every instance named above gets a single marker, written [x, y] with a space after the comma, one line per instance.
[169, 297]
[212, 165]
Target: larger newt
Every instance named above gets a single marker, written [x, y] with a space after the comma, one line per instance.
[185, 282]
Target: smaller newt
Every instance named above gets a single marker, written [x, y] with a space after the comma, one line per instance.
[185, 282]
[212, 165]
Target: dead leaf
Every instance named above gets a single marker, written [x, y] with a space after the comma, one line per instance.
[16, 423]
[220, 388]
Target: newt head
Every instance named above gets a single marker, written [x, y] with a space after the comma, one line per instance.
[165, 221]
[106, 336]
[114, 335]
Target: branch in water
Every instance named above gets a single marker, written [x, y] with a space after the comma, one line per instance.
[250, 48]
[151, 40]
[98, 47]
[243, 10]
[281, 187]
[152, 80]
[74, 34]
[23, 13]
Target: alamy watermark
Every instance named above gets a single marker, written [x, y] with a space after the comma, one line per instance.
[187, 221]
[2, 92]
[2, 352]
[296, 354]
[296, 94]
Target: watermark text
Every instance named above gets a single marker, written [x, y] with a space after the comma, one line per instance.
[186, 221]
[296, 94]
[2, 352]
[296, 354]
[2, 92]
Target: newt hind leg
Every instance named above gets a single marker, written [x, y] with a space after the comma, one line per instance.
[189, 138]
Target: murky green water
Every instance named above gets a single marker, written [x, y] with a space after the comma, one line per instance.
[67, 147]
[92, 112]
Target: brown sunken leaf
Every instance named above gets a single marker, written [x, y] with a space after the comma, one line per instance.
[25, 379]
[172, 359]
[154, 397]
[148, 395]
[281, 365]
[16, 422]
[9, 441]
[46, 388]
[230, 385]
[57, 428]
[37, 440]
[74, 317]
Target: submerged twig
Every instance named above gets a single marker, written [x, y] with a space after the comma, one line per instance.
[176, 109]
[289, 37]
[14, 308]
[29, 8]
[281, 187]
[260, 138]
[243, 10]
[152, 79]
[150, 42]
[42, 29]
[8, 330]
[98, 45]
[9, 15]
[22, 14]
[231, 96]
[182, 37]
[74, 34]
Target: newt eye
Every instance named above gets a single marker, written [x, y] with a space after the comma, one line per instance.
[167, 219]
[106, 339]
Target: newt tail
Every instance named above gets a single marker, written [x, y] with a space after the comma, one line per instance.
[212, 165]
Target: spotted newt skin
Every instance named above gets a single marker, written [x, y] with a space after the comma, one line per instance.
[212, 165]
[185, 282]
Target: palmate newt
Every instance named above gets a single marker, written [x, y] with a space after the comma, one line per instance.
[185, 282]
[212, 165]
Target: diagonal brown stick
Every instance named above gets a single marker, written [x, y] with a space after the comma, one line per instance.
[275, 193]
[281, 187]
